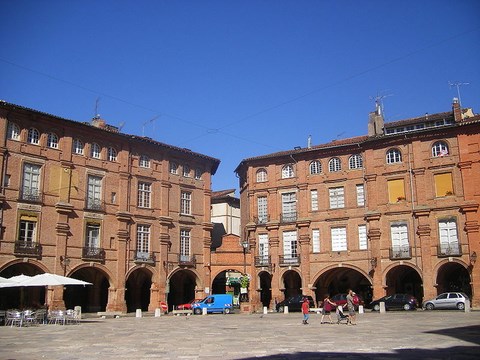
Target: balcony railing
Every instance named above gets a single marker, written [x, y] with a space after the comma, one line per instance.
[262, 261]
[449, 250]
[260, 220]
[94, 204]
[30, 194]
[288, 217]
[27, 248]
[93, 253]
[144, 257]
[289, 260]
[187, 260]
[400, 252]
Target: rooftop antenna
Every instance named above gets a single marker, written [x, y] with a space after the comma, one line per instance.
[457, 85]
[96, 115]
[379, 103]
[148, 122]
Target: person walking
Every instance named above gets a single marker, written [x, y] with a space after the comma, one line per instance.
[305, 310]
[328, 306]
[351, 307]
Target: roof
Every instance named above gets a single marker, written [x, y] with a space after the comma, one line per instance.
[114, 130]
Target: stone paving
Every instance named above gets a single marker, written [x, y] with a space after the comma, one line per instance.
[394, 335]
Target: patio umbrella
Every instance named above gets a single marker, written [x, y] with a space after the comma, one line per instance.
[4, 282]
[48, 279]
[14, 281]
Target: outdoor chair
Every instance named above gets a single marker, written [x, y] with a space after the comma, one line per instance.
[41, 316]
[29, 318]
[71, 317]
[13, 317]
[2, 316]
[57, 317]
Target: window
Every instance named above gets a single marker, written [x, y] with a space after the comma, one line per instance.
[360, 195]
[33, 136]
[31, 182]
[77, 147]
[144, 161]
[396, 190]
[94, 192]
[448, 237]
[287, 171]
[186, 170]
[143, 242]
[198, 174]
[355, 162]
[362, 237]
[339, 239]
[93, 236]
[314, 199]
[315, 167]
[112, 154]
[263, 248]
[262, 175]
[52, 141]
[443, 184]
[289, 206]
[6, 180]
[400, 246]
[262, 209]
[13, 131]
[440, 148]
[394, 156]
[95, 151]
[337, 197]
[316, 240]
[144, 194]
[27, 234]
[334, 165]
[186, 203]
[290, 250]
[184, 245]
[173, 168]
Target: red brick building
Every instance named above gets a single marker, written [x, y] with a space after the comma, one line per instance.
[129, 214]
[393, 211]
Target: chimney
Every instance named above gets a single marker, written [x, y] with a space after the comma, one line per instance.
[375, 121]
[98, 122]
[309, 141]
[457, 111]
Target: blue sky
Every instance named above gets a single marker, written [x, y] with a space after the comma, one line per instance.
[237, 79]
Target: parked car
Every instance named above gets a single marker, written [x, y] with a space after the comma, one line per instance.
[341, 300]
[395, 302]
[448, 300]
[294, 303]
[188, 306]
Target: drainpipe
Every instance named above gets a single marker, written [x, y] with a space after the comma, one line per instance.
[412, 195]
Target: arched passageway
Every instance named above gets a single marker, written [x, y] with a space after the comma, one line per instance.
[292, 284]
[138, 287]
[181, 288]
[265, 288]
[92, 298]
[404, 279]
[454, 277]
[228, 282]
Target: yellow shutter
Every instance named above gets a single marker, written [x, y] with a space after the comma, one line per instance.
[443, 184]
[396, 190]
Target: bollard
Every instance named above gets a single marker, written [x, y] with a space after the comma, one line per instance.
[285, 310]
[360, 309]
[78, 312]
[138, 313]
[204, 311]
[265, 310]
[158, 312]
[382, 307]
[467, 305]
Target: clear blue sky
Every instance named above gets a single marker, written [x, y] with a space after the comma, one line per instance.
[236, 79]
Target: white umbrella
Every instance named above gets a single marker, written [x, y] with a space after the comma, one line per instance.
[48, 279]
[4, 282]
[14, 281]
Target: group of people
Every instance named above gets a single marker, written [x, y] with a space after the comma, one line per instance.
[329, 306]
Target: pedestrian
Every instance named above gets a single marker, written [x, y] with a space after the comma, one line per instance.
[328, 306]
[305, 310]
[351, 307]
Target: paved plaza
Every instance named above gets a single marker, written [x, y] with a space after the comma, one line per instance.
[405, 335]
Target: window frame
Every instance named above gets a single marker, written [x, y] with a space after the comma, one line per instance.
[336, 197]
[185, 202]
[144, 195]
[334, 164]
[95, 151]
[393, 156]
[287, 171]
[355, 162]
[339, 240]
[440, 149]
[78, 147]
[13, 131]
[52, 140]
[144, 161]
[315, 167]
[33, 136]
[112, 154]
[262, 175]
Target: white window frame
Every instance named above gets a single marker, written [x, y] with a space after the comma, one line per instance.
[143, 241]
[52, 141]
[185, 243]
[399, 238]
[316, 240]
[185, 203]
[334, 164]
[92, 235]
[198, 173]
[362, 237]
[263, 250]
[186, 171]
[94, 191]
[95, 151]
[13, 131]
[112, 154]
[339, 238]
[289, 204]
[33, 136]
[144, 194]
[290, 245]
[315, 167]
[173, 168]
[262, 209]
[448, 235]
[394, 156]
[360, 195]
[27, 232]
[314, 199]
[355, 162]
[78, 146]
[144, 161]
[440, 149]
[262, 175]
[287, 171]
[336, 197]
[31, 181]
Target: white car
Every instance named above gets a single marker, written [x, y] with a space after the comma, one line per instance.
[448, 300]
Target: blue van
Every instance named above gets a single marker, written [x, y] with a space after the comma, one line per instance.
[220, 303]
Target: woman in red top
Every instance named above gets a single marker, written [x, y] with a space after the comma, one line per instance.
[305, 310]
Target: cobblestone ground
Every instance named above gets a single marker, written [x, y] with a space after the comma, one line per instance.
[394, 335]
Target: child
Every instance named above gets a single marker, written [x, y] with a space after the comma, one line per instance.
[305, 310]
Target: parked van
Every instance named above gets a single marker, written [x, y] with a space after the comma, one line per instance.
[221, 303]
